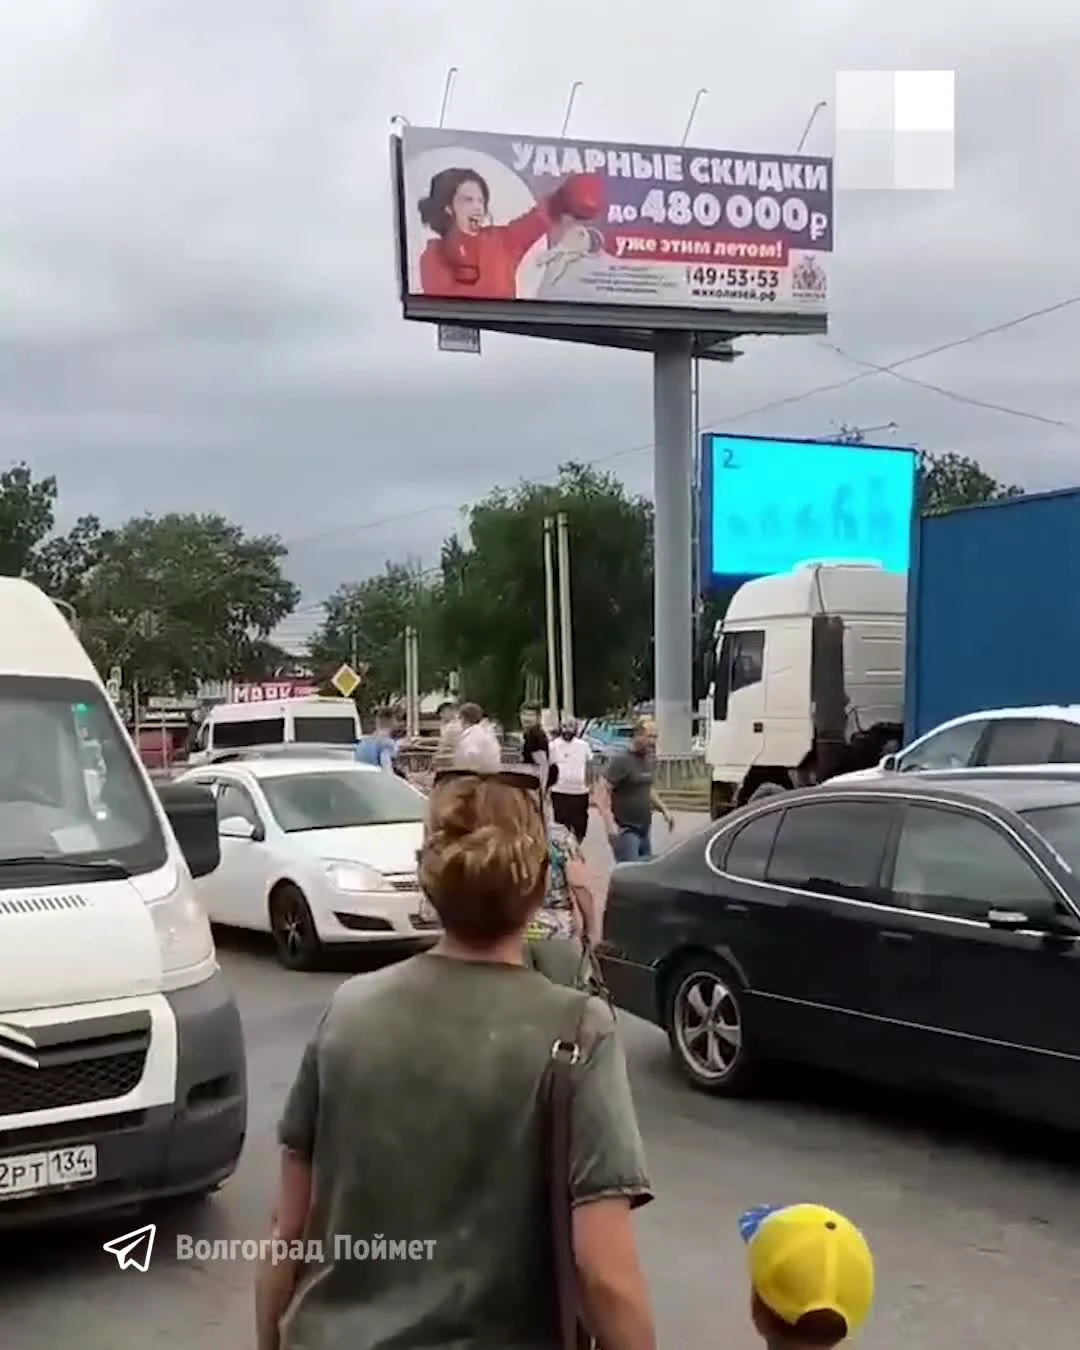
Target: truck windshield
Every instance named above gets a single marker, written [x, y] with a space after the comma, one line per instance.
[69, 788]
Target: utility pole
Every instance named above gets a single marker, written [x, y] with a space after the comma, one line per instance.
[698, 581]
[416, 681]
[412, 682]
[549, 613]
[562, 529]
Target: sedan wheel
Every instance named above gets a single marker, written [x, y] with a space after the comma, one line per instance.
[706, 1026]
[296, 940]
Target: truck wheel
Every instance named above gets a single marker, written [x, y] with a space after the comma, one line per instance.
[719, 800]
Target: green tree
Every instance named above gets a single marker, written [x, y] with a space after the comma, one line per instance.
[365, 623]
[180, 598]
[27, 516]
[492, 605]
[64, 564]
[950, 480]
[59, 563]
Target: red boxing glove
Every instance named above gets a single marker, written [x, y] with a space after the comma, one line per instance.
[462, 252]
[581, 196]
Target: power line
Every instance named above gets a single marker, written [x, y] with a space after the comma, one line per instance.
[871, 369]
[956, 397]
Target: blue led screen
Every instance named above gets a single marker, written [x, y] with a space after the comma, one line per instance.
[769, 505]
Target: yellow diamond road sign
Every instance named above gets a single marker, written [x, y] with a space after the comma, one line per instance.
[345, 681]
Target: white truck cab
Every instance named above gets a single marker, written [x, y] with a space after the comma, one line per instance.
[122, 1069]
[808, 678]
[311, 720]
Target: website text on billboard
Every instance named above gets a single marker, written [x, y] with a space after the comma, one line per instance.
[501, 218]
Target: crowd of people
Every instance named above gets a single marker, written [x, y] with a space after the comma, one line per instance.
[476, 1098]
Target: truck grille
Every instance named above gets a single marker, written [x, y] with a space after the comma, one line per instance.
[46, 1068]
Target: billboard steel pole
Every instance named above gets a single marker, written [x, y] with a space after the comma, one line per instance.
[673, 472]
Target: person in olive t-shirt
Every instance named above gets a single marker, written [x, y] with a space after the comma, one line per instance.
[626, 798]
[415, 1121]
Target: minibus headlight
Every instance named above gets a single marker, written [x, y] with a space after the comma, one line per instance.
[184, 938]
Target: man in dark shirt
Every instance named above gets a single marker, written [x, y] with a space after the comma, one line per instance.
[626, 798]
[535, 748]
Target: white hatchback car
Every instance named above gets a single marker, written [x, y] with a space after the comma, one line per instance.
[995, 738]
[317, 851]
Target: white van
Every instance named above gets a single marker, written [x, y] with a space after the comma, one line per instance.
[284, 721]
[808, 678]
[122, 1074]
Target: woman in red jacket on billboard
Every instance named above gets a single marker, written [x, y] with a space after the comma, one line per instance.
[473, 259]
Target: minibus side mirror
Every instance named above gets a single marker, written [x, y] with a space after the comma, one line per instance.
[192, 813]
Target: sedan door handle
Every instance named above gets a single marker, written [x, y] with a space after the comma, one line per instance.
[740, 911]
[893, 938]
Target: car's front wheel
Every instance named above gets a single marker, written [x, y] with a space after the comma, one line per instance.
[296, 939]
[706, 1024]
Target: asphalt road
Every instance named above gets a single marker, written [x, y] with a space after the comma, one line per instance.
[976, 1224]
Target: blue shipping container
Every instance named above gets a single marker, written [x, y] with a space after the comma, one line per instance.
[994, 608]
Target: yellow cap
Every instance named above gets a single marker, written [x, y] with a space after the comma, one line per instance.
[806, 1258]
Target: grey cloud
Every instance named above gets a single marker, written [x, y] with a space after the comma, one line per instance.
[198, 268]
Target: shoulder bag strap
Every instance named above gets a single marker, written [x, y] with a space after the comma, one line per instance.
[566, 1051]
[590, 978]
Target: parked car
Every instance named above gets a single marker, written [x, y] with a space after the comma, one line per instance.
[923, 930]
[605, 738]
[1000, 736]
[316, 851]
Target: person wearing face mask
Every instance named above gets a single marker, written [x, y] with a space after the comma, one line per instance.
[572, 756]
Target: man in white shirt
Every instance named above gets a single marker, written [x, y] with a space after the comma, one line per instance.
[572, 757]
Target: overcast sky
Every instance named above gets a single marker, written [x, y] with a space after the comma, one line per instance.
[197, 300]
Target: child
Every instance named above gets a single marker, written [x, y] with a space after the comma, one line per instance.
[811, 1276]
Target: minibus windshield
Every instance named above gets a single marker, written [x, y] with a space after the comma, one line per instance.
[70, 791]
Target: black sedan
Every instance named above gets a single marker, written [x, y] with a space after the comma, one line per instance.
[923, 931]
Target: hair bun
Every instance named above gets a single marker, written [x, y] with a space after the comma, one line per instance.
[485, 859]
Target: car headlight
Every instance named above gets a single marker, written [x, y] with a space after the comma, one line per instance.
[354, 877]
[184, 938]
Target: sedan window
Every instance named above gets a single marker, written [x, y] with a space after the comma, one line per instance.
[1015, 740]
[832, 848]
[1060, 827]
[961, 866]
[748, 853]
[953, 748]
[341, 799]
[233, 801]
[1067, 750]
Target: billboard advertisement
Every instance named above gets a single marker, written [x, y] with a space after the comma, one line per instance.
[769, 505]
[499, 220]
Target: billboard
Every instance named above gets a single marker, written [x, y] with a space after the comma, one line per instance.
[502, 223]
[768, 505]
